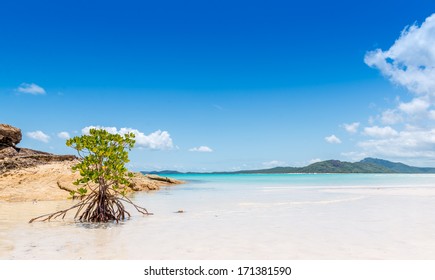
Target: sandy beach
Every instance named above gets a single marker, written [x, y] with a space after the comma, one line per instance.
[54, 181]
[223, 220]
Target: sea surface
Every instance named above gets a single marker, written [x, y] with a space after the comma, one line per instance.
[271, 216]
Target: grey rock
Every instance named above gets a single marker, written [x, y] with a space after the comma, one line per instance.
[12, 157]
[9, 136]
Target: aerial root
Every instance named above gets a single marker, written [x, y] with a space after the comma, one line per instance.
[97, 208]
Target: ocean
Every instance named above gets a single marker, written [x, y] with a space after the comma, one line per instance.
[270, 216]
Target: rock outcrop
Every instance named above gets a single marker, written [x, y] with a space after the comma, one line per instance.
[54, 181]
[17, 158]
[158, 178]
[12, 157]
[27, 175]
[9, 136]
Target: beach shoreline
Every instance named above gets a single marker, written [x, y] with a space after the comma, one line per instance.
[54, 181]
[226, 219]
[31, 175]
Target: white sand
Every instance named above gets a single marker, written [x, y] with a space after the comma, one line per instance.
[307, 223]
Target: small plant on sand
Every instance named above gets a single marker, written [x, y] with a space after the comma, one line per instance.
[104, 178]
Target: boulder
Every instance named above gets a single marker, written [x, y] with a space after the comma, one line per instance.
[163, 179]
[12, 157]
[9, 136]
[29, 175]
[17, 158]
[7, 152]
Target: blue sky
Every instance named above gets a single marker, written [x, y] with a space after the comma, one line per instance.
[224, 85]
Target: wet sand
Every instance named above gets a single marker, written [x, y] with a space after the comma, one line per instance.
[271, 222]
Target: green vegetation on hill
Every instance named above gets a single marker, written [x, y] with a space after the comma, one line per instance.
[336, 166]
[367, 165]
[328, 166]
[398, 167]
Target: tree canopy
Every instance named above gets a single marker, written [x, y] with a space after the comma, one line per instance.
[104, 178]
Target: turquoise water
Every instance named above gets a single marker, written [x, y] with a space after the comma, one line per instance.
[320, 180]
[287, 188]
[279, 216]
[229, 191]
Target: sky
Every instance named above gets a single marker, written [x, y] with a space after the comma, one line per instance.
[224, 85]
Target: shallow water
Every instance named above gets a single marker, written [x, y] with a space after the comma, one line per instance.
[292, 216]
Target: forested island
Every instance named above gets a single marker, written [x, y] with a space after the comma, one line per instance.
[367, 165]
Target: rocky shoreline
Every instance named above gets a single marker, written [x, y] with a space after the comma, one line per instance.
[30, 175]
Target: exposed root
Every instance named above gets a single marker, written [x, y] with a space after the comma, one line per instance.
[64, 188]
[98, 207]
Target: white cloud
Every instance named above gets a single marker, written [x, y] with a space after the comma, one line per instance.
[112, 130]
[273, 163]
[201, 149]
[415, 107]
[333, 139]
[63, 135]
[39, 136]
[351, 128]
[391, 116]
[407, 143]
[410, 62]
[157, 140]
[31, 89]
[380, 132]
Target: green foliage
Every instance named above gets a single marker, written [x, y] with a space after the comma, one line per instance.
[103, 158]
[398, 167]
[336, 166]
[104, 177]
[328, 166]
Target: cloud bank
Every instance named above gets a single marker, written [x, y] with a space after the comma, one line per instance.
[410, 61]
[380, 132]
[408, 130]
[157, 140]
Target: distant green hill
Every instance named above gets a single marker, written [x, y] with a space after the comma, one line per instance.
[275, 170]
[328, 166]
[367, 165]
[398, 167]
[336, 166]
